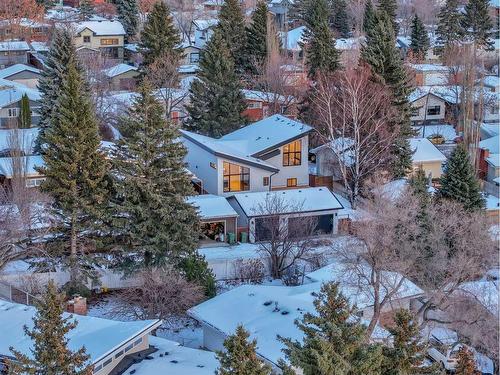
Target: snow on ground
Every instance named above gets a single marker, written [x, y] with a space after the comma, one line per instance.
[172, 358]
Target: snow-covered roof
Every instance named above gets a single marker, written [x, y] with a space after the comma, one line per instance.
[99, 336]
[119, 69]
[425, 151]
[493, 160]
[429, 67]
[489, 130]
[173, 358]
[495, 3]
[212, 206]
[263, 96]
[188, 68]
[348, 43]
[492, 144]
[29, 163]
[486, 291]
[492, 81]
[18, 68]
[101, 28]
[205, 24]
[23, 138]
[40, 46]
[392, 190]
[268, 133]
[444, 130]
[15, 45]
[267, 311]
[309, 199]
[12, 92]
[295, 37]
[492, 203]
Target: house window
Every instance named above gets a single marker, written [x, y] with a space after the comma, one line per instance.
[34, 182]
[213, 165]
[254, 105]
[291, 182]
[107, 362]
[265, 181]
[86, 39]
[236, 177]
[109, 42]
[138, 341]
[13, 112]
[433, 110]
[119, 354]
[292, 153]
[194, 58]
[415, 112]
[129, 347]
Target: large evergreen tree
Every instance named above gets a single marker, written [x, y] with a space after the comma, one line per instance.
[406, 355]
[232, 29]
[160, 37]
[321, 54]
[216, 101]
[420, 42]
[86, 9]
[128, 14]
[61, 55]
[368, 16]
[459, 181]
[334, 341]
[25, 113]
[340, 19]
[151, 216]
[477, 24]
[50, 354]
[449, 30]
[256, 39]
[381, 53]
[240, 357]
[75, 170]
[390, 8]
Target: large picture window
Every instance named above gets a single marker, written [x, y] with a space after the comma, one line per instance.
[292, 153]
[236, 177]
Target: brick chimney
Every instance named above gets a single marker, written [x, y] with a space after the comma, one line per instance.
[77, 305]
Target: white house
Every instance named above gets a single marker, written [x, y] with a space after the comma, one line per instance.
[427, 106]
[268, 154]
[107, 342]
[268, 311]
[296, 204]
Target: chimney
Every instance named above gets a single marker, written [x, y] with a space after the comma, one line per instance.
[77, 305]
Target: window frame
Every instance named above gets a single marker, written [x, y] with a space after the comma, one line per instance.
[243, 175]
[292, 158]
[86, 39]
[109, 42]
[433, 108]
[291, 182]
[265, 181]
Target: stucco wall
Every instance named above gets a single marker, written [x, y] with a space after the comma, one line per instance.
[432, 101]
[434, 168]
[198, 162]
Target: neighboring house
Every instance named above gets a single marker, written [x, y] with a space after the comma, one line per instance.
[105, 37]
[191, 54]
[280, 9]
[438, 133]
[427, 157]
[107, 342]
[217, 217]
[271, 311]
[326, 157]
[10, 103]
[489, 156]
[268, 154]
[260, 103]
[13, 52]
[122, 77]
[430, 74]
[296, 204]
[203, 30]
[491, 86]
[404, 42]
[23, 167]
[25, 29]
[427, 107]
[23, 74]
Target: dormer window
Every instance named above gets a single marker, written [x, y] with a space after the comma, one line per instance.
[292, 153]
[86, 39]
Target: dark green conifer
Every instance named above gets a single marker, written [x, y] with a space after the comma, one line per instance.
[86, 9]
[449, 30]
[340, 19]
[390, 8]
[257, 34]
[25, 113]
[334, 341]
[50, 354]
[368, 16]
[216, 101]
[128, 14]
[232, 29]
[477, 24]
[240, 357]
[420, 42]
[459, 181]
[160, 37]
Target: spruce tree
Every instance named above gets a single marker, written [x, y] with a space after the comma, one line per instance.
[321, 54]
[50, 354]
[86, 9]
[216, 102]
[25, 113]
[449, 30]
[459, 181]
[240, 357]
[334, 342]
[61, 55]
[477, 24]
[368, 16]
[256, 39]
[340, 19]
[195, 269]
[390, 8]
[420, 42]
[381, 53]
[232, 29]
[419, 183]
[466, 364]
[407, 353]
[75, 170]
[150, 212]
[160, 37]
[128, 15]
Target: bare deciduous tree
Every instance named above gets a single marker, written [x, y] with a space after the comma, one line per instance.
[354, 112]
[18, 16]
[162, 293]
[284, 240]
